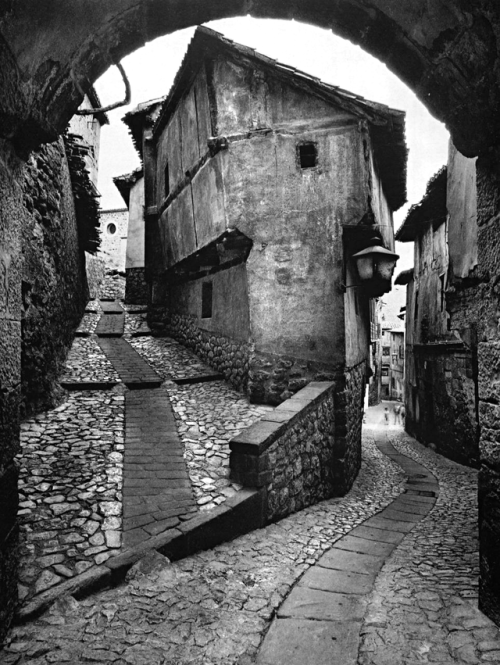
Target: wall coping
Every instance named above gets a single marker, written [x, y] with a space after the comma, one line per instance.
[258, 437]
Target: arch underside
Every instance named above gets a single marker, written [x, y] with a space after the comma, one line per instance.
[444, 50]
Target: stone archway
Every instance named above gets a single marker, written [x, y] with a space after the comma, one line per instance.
[444, 50]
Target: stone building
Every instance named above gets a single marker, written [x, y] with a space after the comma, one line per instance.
[113, 225]
[260, 184]
[441, 349]
[392, 363]
[131, 187]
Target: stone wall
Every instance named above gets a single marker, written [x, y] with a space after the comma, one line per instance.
[136, 289]
[96, 271]
[54, 289]
[273, 378]
[349, 420]
[481, 294]
[266, 378]
[294, 452]
[227, 356]
[443, 395]
[12, 217]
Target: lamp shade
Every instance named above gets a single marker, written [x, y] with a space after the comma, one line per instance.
[375, 267]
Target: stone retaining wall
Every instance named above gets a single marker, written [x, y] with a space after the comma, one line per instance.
[274, 378]
[350, 434]
[293, 452]
[227, 356]
[265, 377]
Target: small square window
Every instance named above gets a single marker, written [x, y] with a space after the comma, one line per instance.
[308, 155]
[206, 300]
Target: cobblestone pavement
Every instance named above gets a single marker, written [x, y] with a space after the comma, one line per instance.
[169, 358]
[56, 481]
[424, 606]
[86, 361]
[209, 415]
[211, 608]
[70, 489]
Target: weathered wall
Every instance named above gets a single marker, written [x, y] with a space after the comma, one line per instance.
[13, 215]
[461, 201]
[135, 229]
[136, 290]
[441, 365]
[230, 315]
[477, 301]
[54, 288]
[293, 215]
[113, 242]
[442, 402]
[294, 452]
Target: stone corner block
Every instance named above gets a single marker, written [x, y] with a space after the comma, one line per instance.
[256, 438]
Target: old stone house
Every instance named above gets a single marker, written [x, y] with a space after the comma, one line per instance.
[441, 351]
[260, 184]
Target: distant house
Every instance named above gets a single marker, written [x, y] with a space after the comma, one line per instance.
[114, 230]
[441, 360]
[86, 130]
[392, 363]
[260, 183]
[131, 187]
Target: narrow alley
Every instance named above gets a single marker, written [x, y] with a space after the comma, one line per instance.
[387, 574]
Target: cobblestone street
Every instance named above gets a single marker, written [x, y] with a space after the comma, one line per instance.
[411, 517]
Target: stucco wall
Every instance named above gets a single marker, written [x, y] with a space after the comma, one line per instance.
[113, 243]
[293, 215]
[462, 207]
[135, 230]
[230, 315]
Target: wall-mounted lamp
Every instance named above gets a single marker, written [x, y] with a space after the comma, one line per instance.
[375, 267]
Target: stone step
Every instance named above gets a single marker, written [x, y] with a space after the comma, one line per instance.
[111, 325]
[197, 378]
[132, 369]
[88, 385]
[111, 307]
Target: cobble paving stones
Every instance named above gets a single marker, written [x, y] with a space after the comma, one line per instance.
[87, 362]
[133, 322]
[88, 323]
[424, 605]
[208, 416]
[112, 286]
[70, 474]
[169, 358]
[211, 608]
